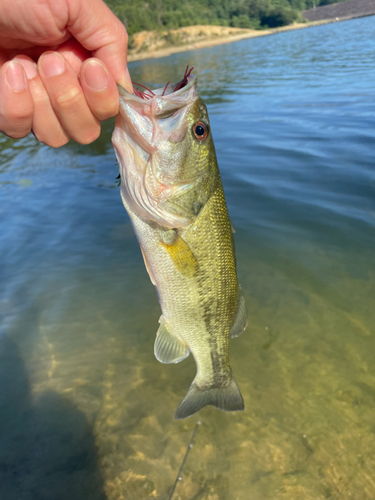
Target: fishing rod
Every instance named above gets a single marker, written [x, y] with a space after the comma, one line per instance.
[190, 445]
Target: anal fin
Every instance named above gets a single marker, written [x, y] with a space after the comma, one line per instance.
[168, 348]
[240, 320]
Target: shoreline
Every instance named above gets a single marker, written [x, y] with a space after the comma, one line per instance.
[220, 40]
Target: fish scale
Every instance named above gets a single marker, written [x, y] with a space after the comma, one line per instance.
[185, 235]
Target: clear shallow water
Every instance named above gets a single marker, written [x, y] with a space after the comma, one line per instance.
[86, 411]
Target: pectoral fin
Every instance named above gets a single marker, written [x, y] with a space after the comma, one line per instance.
[240, 320]
[181, 255]
[168, 348]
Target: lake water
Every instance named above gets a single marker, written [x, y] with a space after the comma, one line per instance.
[86, 411]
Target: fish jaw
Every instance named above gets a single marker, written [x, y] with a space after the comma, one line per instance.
[147, 139]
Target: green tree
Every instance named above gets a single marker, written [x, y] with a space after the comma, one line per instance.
[138, 15]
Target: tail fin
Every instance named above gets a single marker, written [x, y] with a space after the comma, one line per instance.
[225, 398]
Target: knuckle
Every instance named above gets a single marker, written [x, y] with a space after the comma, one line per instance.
[126, 36]
[19, 114]
[123, 35]
[16, 123]
[70, 98]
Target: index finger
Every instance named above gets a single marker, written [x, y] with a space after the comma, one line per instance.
[95, 26]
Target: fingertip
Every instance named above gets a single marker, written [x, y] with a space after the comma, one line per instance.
[17, 107]
[90, 135]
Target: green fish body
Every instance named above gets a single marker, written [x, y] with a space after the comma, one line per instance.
[172, 190]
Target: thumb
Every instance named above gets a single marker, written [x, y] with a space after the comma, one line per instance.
[95, 26]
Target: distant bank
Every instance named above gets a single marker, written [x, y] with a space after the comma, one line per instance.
[154, 44]
[341, 11]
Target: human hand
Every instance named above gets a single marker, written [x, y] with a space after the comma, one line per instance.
[60, 61]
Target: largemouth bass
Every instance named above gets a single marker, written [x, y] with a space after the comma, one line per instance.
[172, 191]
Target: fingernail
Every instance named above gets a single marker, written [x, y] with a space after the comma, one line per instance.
[52, 64]
[15, 76]
[30, 68]
[95, 76]
[126, 81]
[129, 84]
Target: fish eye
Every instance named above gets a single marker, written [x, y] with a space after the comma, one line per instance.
[200, 131]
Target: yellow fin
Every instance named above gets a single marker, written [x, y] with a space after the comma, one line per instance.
[168, 348]
[182, 257]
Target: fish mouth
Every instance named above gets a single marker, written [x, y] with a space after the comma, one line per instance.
[149, 117]
[173, 88]
[149, 128]
[162, 102]
[165, 91]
